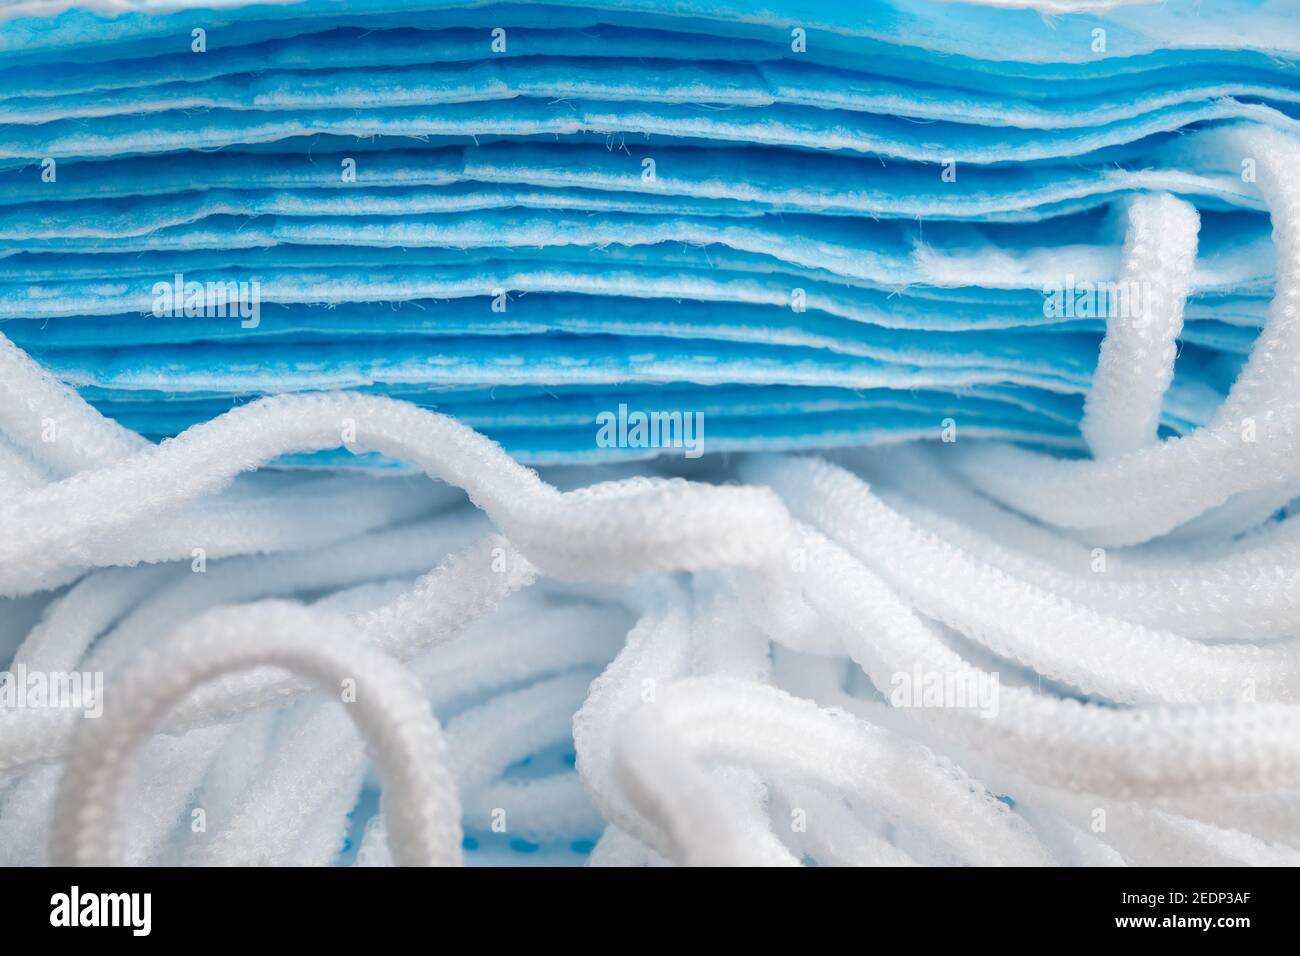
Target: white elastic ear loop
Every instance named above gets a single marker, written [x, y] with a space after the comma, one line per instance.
[663, 747]
[657, 651]
[462, 588]
[1227, 571]
[17, 471]
[612, 531]
[1199, 601]
[420, 800]
[1125, 754]
[1093, 651]
[406, 550]
[310, 765]
[833, 835]
[1272, 373]
[689, 818]
[50, 421]
[1252, 442]
[1136, 360]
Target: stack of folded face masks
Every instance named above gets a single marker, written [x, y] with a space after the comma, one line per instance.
[915, 388]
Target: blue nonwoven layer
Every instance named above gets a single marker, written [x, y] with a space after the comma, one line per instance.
[758, 260]
[1023, 42]
[764, 179]
[326, 49]
[607, 79]
[779, 125]
[819, 245]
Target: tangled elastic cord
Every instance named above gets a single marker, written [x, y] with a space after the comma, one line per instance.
[421, 805]
[1136, 364]
[754, 710]
[1253, 441]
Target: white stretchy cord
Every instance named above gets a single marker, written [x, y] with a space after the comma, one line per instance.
[1143, 753]
[1246, 595]
[608, 532]
[1252, 442]
[1094, 652]
[727, 643]
[53, 423]
[1148, 836]
[420, 799]
[306, 827]
[526, 638]
[18, 472]
[261, 518]
[690, 819]
[458, 591]
[616, 847]
[69, 625]
[1136, 361]
[1241, 514]
[1272, 374]
[235, 770]
[748, 724]
[403, 551]
[657, 651]
[313, 763]
[922, 472]
[832, 833]
[485, 740]
[1274, 817]
[58, 642]
[540, 809]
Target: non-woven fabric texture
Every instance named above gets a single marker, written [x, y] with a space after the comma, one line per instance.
[829, 434]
